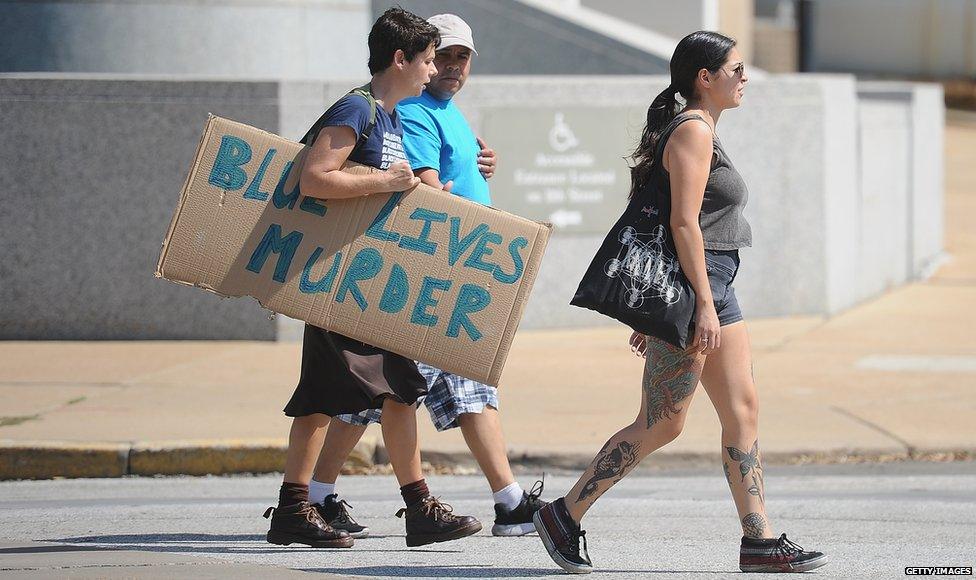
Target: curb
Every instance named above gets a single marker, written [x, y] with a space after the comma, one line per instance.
[57, 459]
[52, 459]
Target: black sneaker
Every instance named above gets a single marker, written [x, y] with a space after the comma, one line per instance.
[334, 511]
[430, 521]
[302, 524]
[561, 536]
[776, 555]
[518, 522]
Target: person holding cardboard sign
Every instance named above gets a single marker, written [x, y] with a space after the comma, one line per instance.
[339, 374]
[445, 154]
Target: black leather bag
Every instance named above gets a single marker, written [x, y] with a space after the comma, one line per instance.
[635, 276]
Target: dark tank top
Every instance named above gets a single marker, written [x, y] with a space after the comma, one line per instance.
[722, 224]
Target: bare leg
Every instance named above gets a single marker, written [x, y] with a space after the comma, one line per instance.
[727, 378]
[399, 427]
[483, 434]
[670, 378]
[304, 442]
[340, 439]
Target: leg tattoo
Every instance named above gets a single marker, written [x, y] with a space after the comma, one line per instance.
[611, 463]
[670, 377]
[749, 465]
[728, 475]
[754, 525]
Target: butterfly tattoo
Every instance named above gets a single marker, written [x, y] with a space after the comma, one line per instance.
[749, 464]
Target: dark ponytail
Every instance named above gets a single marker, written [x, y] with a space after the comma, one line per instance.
[699, 50]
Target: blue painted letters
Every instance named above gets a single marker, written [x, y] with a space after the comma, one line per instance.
[471, 299]
[422, 243]
[254, 189]
[306, 286]
[426, 300]
[376, 230]
[273, 242]
[227, 173]
[513, 248]
[396, 292]
[365, 265]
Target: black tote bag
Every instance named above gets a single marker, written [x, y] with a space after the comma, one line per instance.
[635, 276]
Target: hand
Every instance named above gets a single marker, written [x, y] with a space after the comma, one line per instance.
[708, 333]
[399, 177]
[447, 186]
[638, 344]
[486, 160]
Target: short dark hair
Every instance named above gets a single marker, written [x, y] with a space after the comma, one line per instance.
[395, 30]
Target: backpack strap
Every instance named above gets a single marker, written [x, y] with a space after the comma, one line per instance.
[365, 92]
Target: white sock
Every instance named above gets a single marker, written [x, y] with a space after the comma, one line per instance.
[509, 496]
[317, 491]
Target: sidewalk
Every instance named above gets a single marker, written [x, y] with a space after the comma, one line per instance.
[895, 376]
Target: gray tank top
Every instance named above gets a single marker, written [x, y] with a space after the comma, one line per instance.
[722, 224]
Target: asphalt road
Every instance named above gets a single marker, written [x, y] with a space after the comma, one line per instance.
[872, 521]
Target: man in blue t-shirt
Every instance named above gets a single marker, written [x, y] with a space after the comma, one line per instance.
[444, 153]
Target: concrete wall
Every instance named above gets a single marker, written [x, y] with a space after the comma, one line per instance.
[221, 39]
[845, 193]
[670, 18]
[894, 37]
[515, 37]
[678, 19]
[902, 154]
[91, 174]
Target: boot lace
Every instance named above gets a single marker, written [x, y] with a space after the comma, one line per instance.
[786, 548]
[311, 514]
[433, 507]
[535, 494]
[575, 537]
[343, 514]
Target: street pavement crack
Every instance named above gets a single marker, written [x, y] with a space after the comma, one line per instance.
[909, 448]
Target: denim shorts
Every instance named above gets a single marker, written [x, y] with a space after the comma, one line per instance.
[448, 397]
[722, 266]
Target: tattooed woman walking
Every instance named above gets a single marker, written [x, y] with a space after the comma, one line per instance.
[680, 157]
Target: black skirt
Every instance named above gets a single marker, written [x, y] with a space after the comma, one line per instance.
[341, 375]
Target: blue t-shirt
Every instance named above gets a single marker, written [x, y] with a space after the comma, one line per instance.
[385, 144]
[436, 135]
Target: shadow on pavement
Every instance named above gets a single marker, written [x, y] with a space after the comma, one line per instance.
[52, 549]
[486, 571]
[202, 544]
[459, 571]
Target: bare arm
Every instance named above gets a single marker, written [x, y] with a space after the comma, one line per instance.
[323, 179]
[432, 177]
[688, 157]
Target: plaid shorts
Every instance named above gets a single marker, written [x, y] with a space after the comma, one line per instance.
[448, 397]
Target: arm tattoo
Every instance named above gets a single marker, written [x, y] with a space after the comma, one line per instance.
[670, 376]
[611, 463]
[754, 525]
[749, 465]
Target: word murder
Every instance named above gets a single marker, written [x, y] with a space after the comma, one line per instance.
[475, 247]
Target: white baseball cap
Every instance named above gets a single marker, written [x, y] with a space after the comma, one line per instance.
[453, 30]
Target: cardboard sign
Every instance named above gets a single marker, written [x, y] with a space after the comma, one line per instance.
[422, 273]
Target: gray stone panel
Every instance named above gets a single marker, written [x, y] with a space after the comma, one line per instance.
[885, 150]
[91, 175]
[257, 39]
[513, 38]
[840, 168]
[928, 177]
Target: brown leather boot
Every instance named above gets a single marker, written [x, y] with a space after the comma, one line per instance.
[302, 524]
[430, 521]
